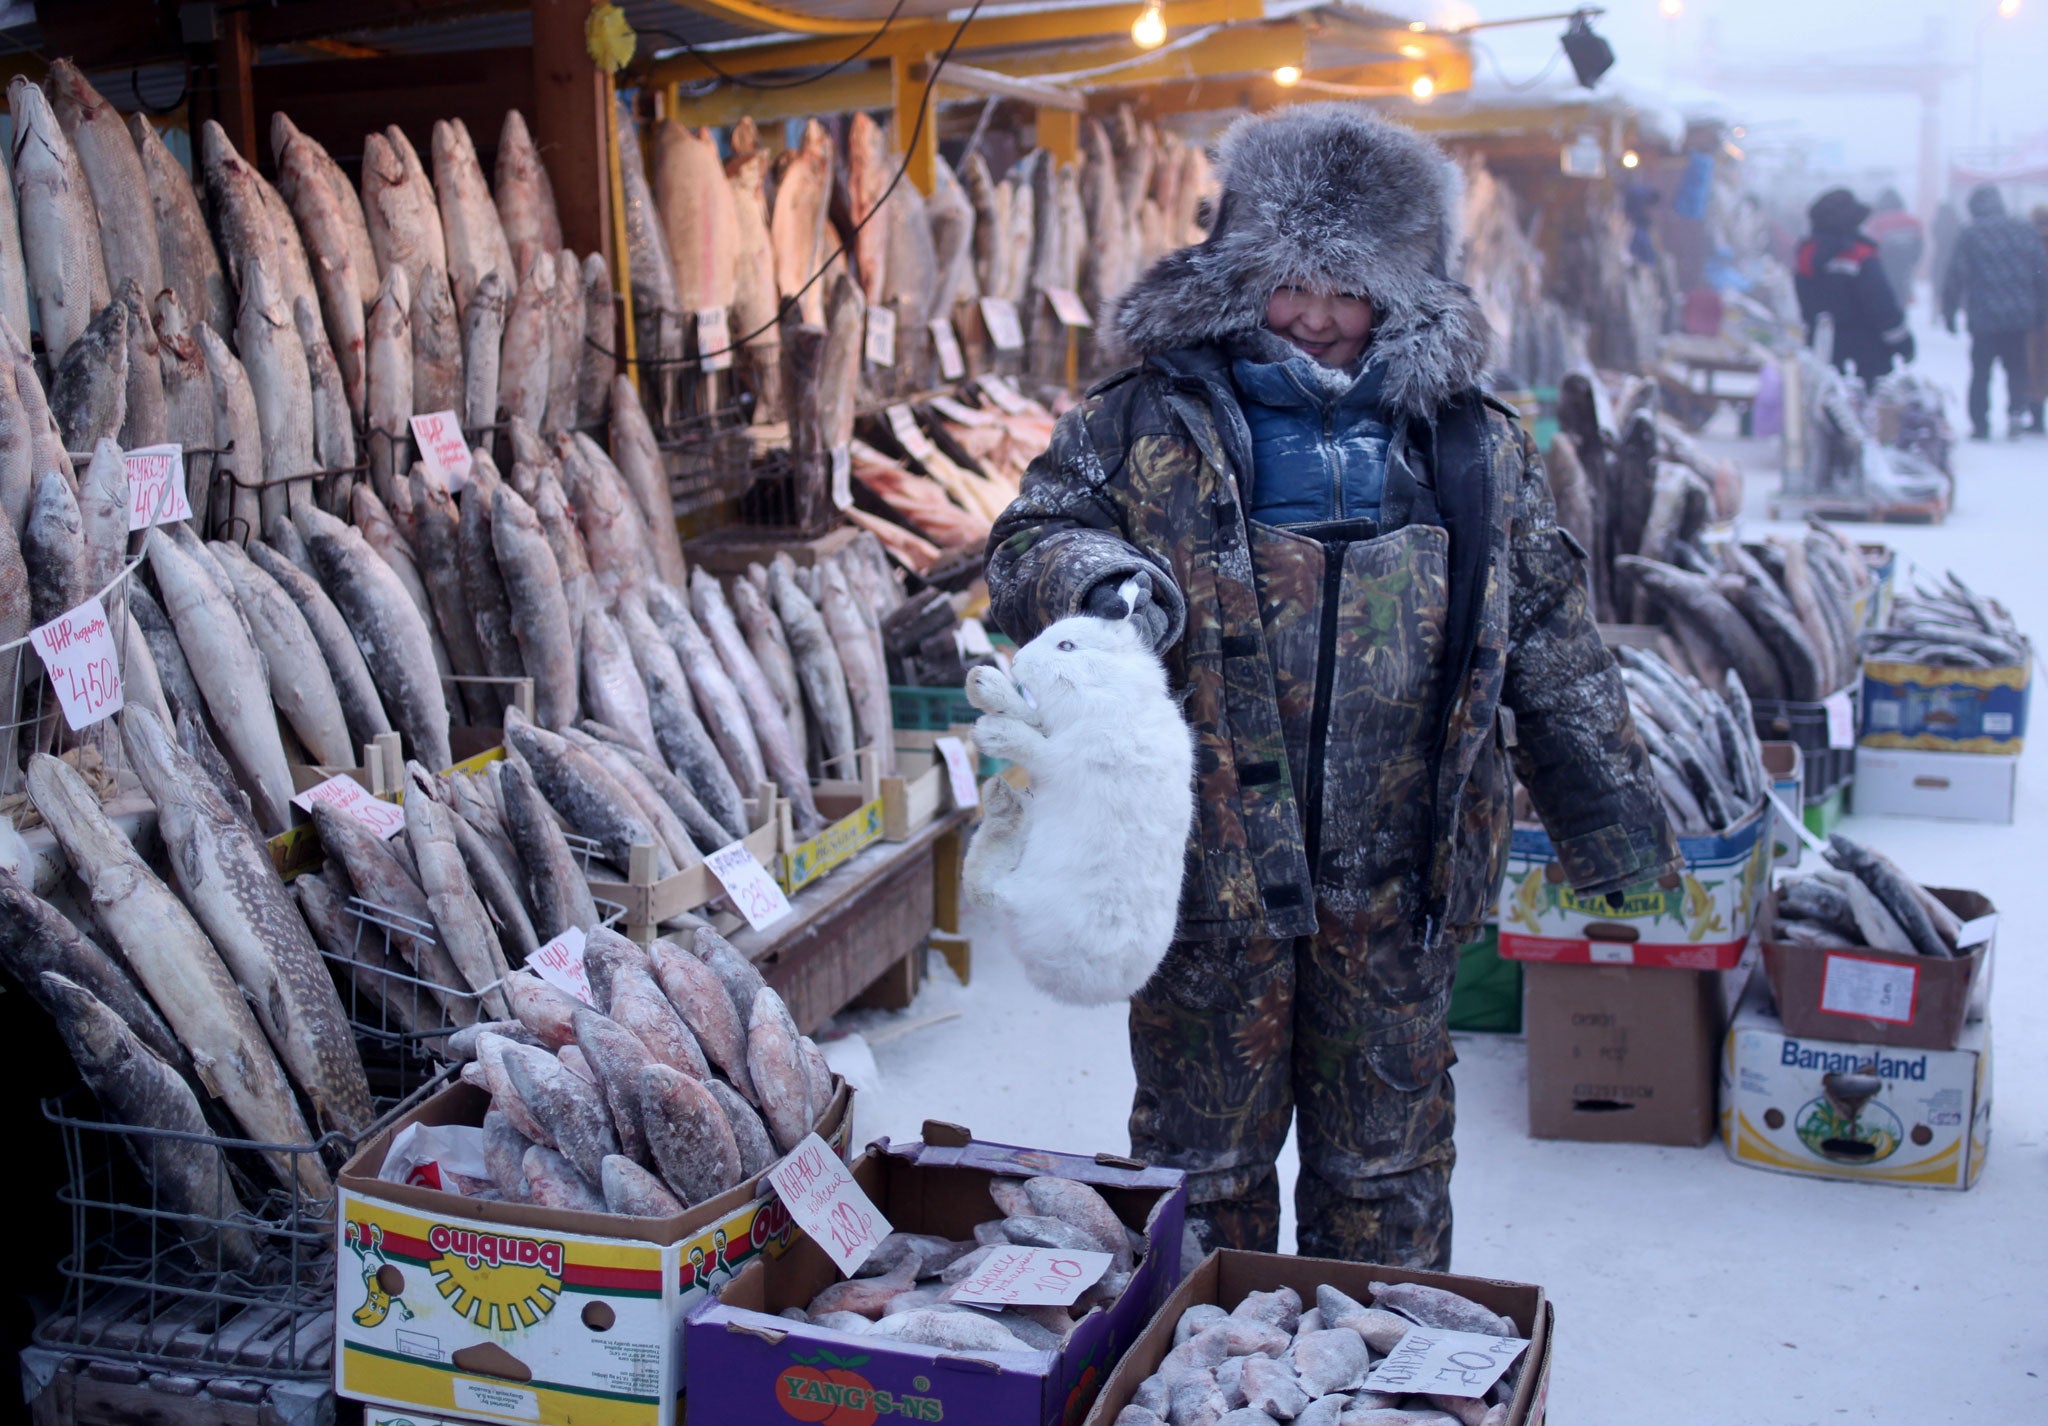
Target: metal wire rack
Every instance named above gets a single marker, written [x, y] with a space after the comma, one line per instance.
[31, 719]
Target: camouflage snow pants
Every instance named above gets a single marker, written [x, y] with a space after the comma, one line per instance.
[1285, 1028]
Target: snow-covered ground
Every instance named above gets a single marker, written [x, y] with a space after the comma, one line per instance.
[1687, 1289]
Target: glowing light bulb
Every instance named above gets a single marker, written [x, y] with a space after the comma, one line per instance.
[1671, 9]
[1148, 31]
[1418, 26]
[1423, 87]
[1630, 159]
[1413, 51]
[2008, 8]
[1287, 76]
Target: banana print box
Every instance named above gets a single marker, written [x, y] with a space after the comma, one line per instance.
[1945, 710]
[1698, 919]
[1832, 1109]
[509, 1312]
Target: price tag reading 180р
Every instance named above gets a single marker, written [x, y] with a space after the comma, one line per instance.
[827, 1204]
[1435, 1361]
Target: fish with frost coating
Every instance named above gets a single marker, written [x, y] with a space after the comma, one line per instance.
[334, 432]
[723, 710]
[705, 831]
[756, 305]
[587, 796]
[237, 481]
[174, 675]
[379, 992]
[867, 673]
[555, 884]
[13, 266]
[496, 886]
[437, 377]
[540, 610]
[316, 209]
[770, 648]
[470, 226]
[144, 420]
[657, 318]
[633, 1191]
[46, 444]
[600, 340]
[348, 676]
[284, 136]
[782, 757]
[36, 938]
[375, 875]
[388, 628]
[103, 515]
[226, 877]
[459, 915]
[554, 1182]
[668, 827]
[568, 1105]
[734, 971]
[615, 527]
[616, 1057]
[525, 197]
[579, 586]
[612, 688]
[700, 999]
[400, 208]
[697, 214]
[483, 337]
[775, 1065]
[236, 211]
[89, 394]
[1893, 890]
[17, 453]
[685, 744]
[299, 682]
[53, 550]
[60, 238]
[565, 343]
[757, 1148]
[389, 389]
[267, 336]
[190, 266]
[188, 397]
[483, 583]
[437, 539]
[292, 272]
[637, 458]
[523, 356]
[188, 1174]
[14, 626]
[688, 1135]
[168, 952]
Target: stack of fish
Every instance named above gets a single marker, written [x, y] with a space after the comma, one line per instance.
[1782, 613]
[1949, 625]
[1536, 340]
[684, 1078]
[1703, 746]
[955, 477]
[1863, 899]
[1268, 1360]
[904, 1291]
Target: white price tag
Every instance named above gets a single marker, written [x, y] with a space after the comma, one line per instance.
[156, 486]
[842, 477]
[1068, 307]
[438, 434]
[560, 964]
[1868, 989]
[946, 342]
[961, 415]
[827, 1204]
[882, 336]
[909, 435]
[974, 638]
[714, 339]
[1610, 953]
[747, 882]
[1438, 1362]
[77, 648]
[1005, 395]
[1976, 931]
[999, 315]
[1841, 720]
[345, 794]
[959, 772]
[1031, 1277]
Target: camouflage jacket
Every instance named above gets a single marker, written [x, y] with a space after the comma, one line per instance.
[1146, 474]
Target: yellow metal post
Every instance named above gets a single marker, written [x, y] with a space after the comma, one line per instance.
[918, 140]
[1059, 134]
[622, 266]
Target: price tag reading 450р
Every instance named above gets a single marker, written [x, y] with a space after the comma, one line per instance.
[827, 1204]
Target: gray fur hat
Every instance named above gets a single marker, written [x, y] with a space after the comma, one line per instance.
[1336, 199]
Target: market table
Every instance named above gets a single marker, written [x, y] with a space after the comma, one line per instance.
[861, 930]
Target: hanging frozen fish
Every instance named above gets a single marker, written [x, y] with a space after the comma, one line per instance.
[299, 682]
[13, 265]
[539, 608]
[565, 343]
[657, 319]
[523, 361]
[868, 174]
[459, 918]
[797, 226]
[600, 339]
[951, 217]
[355, 691]
[268, 339]
[474, 233]
[389, 390]
[437, 376]
[103, 515]
[60, 238]
[483, 336]
[89, 394]
[697, 214]
[317, 210]
[113, 173]
[755, 319]
[143, 420]
[526, 199]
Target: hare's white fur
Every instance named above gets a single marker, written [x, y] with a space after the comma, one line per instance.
[1086, 864]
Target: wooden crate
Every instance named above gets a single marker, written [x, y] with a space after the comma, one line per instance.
[650, 900]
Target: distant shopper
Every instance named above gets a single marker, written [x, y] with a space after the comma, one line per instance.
[2037, 344]
[1838, 274]
[1947, 226]
[1901, 242]
[1998, 276]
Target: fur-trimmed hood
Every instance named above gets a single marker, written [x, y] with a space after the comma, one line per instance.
[1334, 198]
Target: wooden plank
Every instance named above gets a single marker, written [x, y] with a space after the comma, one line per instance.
[289, 24]
[234, 56]
[99, 34]
[895, 987]
[569, 124]
[338, 101]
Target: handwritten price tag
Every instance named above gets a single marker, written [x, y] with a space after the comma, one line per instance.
[959, 772]
[946, 342]
[1439, 1362]
[714, 338]
[842, 477]
[827, 1204]
[1841, 720]
[1068, 307]
[438, 434]
[999, 315]
[156, 486]
[1032, 1277]
[77, 648]
[747, 882]
[560, 964]
[882, 336]
[909, 435]
[1869, 989]
[345, 794]
[961, 415]
[1005, 395]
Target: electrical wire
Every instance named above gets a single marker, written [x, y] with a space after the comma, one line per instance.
[1556, 57]
[783, 308]
[704, 57]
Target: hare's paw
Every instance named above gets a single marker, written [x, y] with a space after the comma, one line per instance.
[1002, 736]
[990, 690]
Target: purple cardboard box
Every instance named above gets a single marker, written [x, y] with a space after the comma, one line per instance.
[745, 1364]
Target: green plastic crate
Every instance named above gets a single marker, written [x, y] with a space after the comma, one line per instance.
[1824, 816]
[1487, 994]
[933, 710]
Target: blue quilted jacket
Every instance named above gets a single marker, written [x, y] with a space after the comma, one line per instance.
[1319, 440]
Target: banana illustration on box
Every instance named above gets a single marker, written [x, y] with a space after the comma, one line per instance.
[382, 1279]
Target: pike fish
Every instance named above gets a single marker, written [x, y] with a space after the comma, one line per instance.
[723, 709]
[374, 873]
[685, 745]
[60, 240]
[591, 800]
[867, 675]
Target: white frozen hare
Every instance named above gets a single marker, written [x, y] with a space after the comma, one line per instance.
[1086, 865]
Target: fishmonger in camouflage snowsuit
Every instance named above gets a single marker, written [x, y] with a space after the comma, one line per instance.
[1356, 688]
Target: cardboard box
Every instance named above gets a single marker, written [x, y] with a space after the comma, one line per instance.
[1955, 787]
[1623, 1054]
[1945, 710]
[1227, 1275]
[1795, 1105]
[1697, 919]
[511, 1312]
[1880, 997]
[1785, 765]
[749, 1365]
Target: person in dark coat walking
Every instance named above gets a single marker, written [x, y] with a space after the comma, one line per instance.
[1838, 273]
[1998, 277]
[1356, 575]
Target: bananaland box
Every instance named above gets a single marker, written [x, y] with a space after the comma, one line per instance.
[1698, 918]
[454, 1306]
[1834, 1109]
